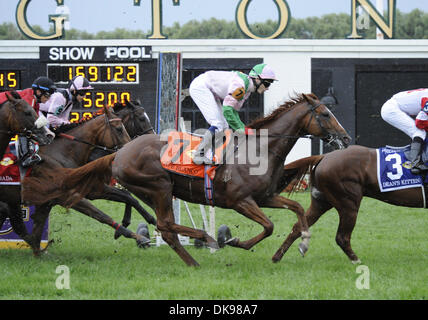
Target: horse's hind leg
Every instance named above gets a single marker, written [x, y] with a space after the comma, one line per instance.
[15, 217]
[347, 220]
[118, 195]
[173, 241]
[317, 208]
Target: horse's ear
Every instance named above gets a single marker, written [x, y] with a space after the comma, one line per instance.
[107, 111]
[10, 97]
[308, 98]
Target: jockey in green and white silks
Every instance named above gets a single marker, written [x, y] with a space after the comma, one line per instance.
[219, 96]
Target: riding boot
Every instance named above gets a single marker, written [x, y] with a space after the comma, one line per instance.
[28, 152]
[417, 166]
[205, 146]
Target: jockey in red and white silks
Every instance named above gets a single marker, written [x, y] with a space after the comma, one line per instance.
[408, 111]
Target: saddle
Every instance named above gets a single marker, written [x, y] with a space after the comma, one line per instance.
[177, 155]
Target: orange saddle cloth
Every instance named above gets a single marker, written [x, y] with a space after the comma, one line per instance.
[177, 155]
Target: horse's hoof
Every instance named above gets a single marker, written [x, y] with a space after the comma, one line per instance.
[303, 248]
[143, 242]
[223, 235]
[143, 230]
[211, 243]
[199, 243]
[232, 241]
[358, 261]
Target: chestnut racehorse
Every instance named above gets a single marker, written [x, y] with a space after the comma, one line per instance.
[104, 131]
[340, 179]
[137, 167]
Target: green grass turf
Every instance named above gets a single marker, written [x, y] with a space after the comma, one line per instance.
[390, 241]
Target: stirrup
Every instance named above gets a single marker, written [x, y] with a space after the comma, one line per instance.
[198, 158]
[32, 160]
[419, 168]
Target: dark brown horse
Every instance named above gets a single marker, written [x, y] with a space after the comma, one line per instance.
[104, 131]
[137, 167]
[340, 180]
[17, 117]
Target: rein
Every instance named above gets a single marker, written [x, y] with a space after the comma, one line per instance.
[72, 138]
[96, 146]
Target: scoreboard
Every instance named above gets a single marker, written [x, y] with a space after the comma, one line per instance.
[116, 73]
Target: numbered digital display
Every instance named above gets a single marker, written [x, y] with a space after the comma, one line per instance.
[97, 99]
[126, 73]
[10, 80]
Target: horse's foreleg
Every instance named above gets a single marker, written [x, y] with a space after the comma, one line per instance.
[281, 202]
[251, 210]
[39, 220]
[85, 207]
[316, 209]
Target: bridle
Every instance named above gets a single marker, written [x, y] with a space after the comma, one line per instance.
[137, 129]
[96, 146]
[28, 133]
[315, 115]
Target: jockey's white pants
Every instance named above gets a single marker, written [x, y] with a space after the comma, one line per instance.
[210, 106]
[392, 114]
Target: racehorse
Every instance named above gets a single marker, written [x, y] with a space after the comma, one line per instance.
[136, 123]
[104, 131]
[134, 119]
[341, 179]
[137, 167]
[17, 117]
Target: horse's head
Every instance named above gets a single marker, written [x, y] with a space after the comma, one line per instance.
[134, 118]
[112, 133]
[23, 120]
[321, 122]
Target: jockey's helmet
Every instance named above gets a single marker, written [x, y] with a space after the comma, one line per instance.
[79, 83]
[45, 85]
[263, 72]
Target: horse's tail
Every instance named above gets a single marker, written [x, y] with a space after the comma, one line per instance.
[71, 185]
[296, 171]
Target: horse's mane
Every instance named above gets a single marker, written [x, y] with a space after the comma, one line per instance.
[286, 106]
[118, 106]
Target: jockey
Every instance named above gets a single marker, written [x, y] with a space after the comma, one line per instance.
[219, 95]
[40, 92]
[59, 107]
[400, 111]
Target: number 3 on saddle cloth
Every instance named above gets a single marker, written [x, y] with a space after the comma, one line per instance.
[176, 157]
[393, 169]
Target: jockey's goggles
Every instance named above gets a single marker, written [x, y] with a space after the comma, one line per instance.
[46, 94]
[267, 82]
